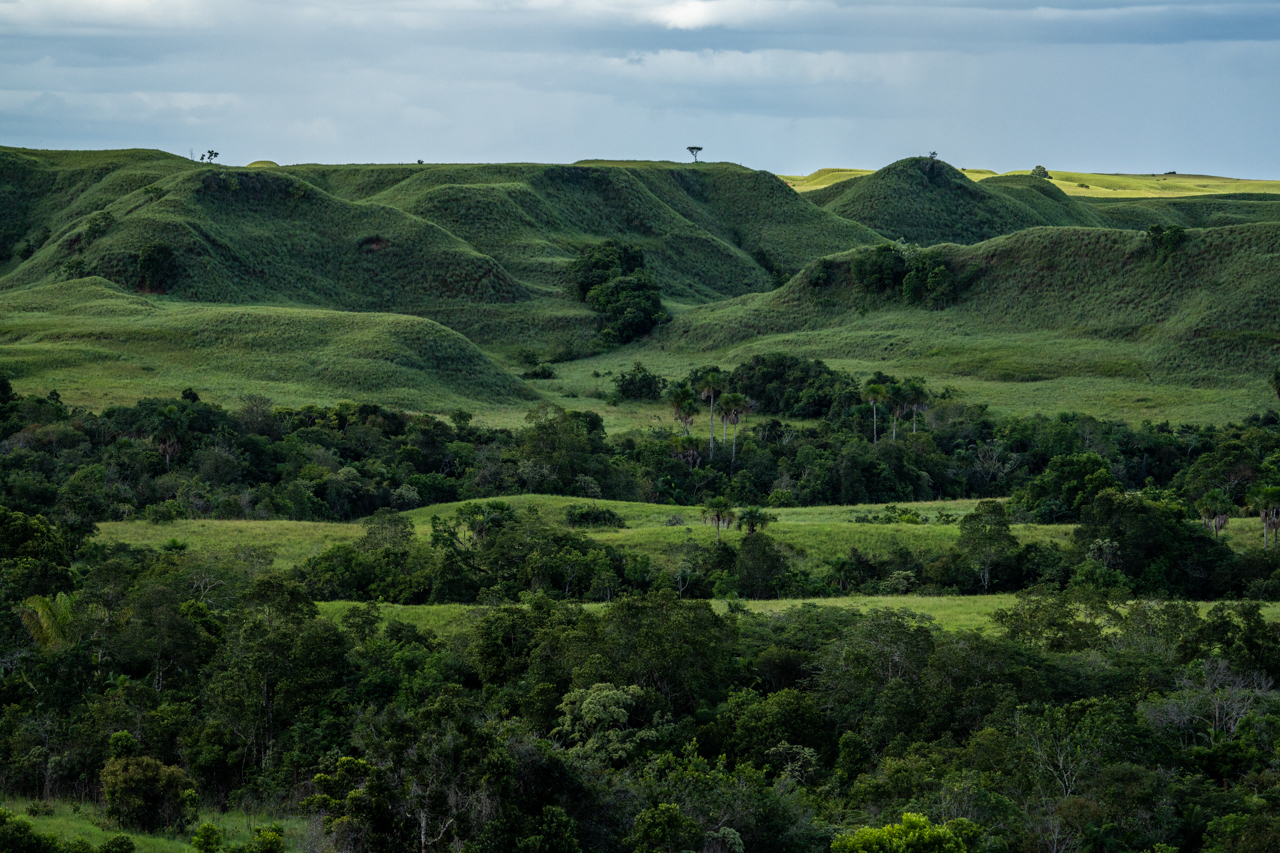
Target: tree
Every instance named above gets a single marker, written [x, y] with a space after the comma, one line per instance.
[708, 385]
[155, 263]
[985, 538]
[1040, 172]
[694, 149]
[877, 394]
[7, 395]
[681, 399]
[1215, 510]
[1265, 501]
[736, 407]
[718, 511]
[754, 518]
[914, 835]
[1274, 382]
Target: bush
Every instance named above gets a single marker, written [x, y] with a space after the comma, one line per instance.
[143, 794]
[639, 384]
[155, 263]
[542, 371]
[590, 515]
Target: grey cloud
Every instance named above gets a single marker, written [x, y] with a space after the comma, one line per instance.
[784, 86]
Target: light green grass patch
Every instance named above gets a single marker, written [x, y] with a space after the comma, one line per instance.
[73, 820]
[292, 541]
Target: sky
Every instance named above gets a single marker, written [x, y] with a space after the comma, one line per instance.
[789, 86]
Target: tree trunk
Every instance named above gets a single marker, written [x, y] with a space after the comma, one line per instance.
[712, 455]
[875, 434]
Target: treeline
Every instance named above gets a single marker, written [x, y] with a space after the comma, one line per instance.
[775, 431]
[158, 680]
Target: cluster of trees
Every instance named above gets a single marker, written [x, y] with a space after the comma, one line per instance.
[154, 680]
[884, 441]
[916, 276]
[611, 279]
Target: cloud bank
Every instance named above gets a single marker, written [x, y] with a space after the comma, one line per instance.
[784, 85]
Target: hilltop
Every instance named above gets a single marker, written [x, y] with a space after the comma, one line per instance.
[430, 286]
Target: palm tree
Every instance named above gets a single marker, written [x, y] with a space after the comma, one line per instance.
[739, 408]
[685, 448]
[1214, 508]
[47, 620]
[876, 394]
[915, 397]
[1265, 501]
[681, 399]
[708, 385]
[724, 410]
[753, 518]
[718, 511]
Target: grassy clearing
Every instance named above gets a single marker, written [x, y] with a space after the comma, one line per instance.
[952, 612]
[292, 541]
[74, 820]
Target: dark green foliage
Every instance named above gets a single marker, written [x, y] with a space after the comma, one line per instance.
[1166, 241]
[17, 836]
[780, 384]
[639, 383]
[1041, 172]
[880, 269]
[1068, 483]
[630, 307]
[542, 371]
[143, 794]
[591, 515]
[155, 264]
[600, 264]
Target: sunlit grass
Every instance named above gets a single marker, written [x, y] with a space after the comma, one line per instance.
[71, 820]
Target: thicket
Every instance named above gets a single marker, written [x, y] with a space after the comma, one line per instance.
[652, 724]
[611, 279]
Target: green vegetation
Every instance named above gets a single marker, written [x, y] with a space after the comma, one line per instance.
[923, 200]
[100, 345]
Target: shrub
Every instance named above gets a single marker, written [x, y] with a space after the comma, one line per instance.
[155, 263]
[143, 794]
[639, 384]
[590, 515]
[542, 371]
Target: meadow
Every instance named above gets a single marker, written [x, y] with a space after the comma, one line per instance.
[72, 819]
[1096, 185]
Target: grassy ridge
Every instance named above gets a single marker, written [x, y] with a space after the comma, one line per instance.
[1048, 304]
[926, 201]
[98, 345]
[402, 238]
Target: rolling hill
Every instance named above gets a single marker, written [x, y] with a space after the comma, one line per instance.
[417, 284]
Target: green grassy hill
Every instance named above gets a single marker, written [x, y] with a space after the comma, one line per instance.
[402, 238]
[313, 283]
[98, 344]
[926, 201]
[1055, 319]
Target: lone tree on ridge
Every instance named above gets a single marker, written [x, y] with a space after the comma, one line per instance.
[694, 149]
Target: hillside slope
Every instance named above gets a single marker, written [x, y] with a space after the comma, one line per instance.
[400, 238]
[1040, 304]
[98, 344]
[926, 201]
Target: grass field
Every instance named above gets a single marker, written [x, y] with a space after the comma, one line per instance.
[1098, 185]
[73, 820]
[99, 345]
[1063, 318]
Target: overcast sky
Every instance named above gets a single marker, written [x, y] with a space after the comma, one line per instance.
[785, 85]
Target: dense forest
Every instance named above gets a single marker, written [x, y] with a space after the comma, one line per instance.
[1106, 711]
